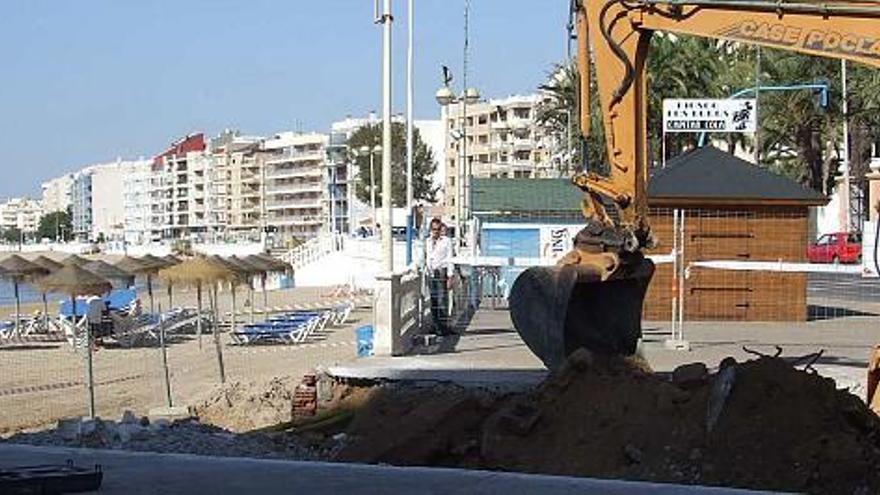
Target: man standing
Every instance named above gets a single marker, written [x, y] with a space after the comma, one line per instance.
[439, 269]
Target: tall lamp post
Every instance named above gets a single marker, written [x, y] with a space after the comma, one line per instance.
[371, 152]
[446, 97]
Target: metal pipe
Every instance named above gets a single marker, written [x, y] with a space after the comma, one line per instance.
[387, 241]
[409, 133]
[847, 220]
[782, 7]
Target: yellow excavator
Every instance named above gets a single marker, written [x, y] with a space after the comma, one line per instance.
[593, 297]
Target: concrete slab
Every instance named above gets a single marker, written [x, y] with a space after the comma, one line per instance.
[138, 473]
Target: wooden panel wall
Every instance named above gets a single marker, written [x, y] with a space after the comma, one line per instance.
[747, 234]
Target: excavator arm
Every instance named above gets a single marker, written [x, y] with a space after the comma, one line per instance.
[593, 298]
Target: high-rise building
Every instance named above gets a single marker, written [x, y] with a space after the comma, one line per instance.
[240, 176]
[187, 193]
[56, 193]
[502, 139]
[97, 200]
[294, 173]
[136, 202]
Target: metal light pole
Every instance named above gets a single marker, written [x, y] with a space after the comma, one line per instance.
[409, 133]
[387, 241]
[445, 97]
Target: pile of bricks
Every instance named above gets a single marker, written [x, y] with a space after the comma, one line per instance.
[305, 397]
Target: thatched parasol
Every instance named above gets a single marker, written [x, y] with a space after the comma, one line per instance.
[17, 269]
[196, 272]
[252, 271]
[240, 276]
[109, 272]
[276, 264]
[147, 267]
[50, 266]
[266, 267]
[76, 281]
[170, 260]
[75, 260]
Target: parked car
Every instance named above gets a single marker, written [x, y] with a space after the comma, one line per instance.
[839, 247]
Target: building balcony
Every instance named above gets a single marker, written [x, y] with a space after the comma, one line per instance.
[295, 155]
[294, 172]
[304, 220]
[311, 187]
[283, 204]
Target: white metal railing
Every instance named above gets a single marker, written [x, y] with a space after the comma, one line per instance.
[313, 250]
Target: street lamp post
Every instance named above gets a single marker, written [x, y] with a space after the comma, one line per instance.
[365, 151]
[445, 97]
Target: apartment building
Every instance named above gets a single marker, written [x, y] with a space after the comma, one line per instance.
[97, 200]
[20, 213]
[502, 139]
[56, 193]
[294, 167]
[240, 176]
[187, 192]
[136, 202]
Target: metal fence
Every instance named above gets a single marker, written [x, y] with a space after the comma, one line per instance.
[43, 375]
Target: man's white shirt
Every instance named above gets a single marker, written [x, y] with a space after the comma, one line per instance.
[439, 253]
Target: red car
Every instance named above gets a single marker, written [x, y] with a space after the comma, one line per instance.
[839, 247]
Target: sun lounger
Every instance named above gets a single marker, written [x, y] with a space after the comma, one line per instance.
[286, 333]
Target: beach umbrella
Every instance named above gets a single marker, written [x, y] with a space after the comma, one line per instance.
[196, 272]
[251, 271]
[77, 281]
[50, 266]
[147, 267]
[75, 260]
[276, 264]
[265, 267]
[170, 260]
[109, 272]
[240, 274]
[18, 269]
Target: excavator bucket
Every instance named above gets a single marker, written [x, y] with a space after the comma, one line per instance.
[557, 310]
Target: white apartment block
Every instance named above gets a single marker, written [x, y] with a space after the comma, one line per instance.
[136, 202]
[294, 191]
[97, 200]
[57, 193]
[20, 213]
[502, 139]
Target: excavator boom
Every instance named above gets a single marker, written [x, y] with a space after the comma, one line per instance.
[593, 298]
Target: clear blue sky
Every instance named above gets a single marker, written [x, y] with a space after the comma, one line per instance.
[85, 81]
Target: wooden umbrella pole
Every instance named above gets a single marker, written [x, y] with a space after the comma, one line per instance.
[45, 314]
[150, 292]
[251, 292]
[217, 345]
[170, 299]
[17, 308]
[265, 300]
[199, 308]
[90, 378]
[232, 317]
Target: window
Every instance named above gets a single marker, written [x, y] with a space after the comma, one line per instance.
[483, 119]
[854, 238]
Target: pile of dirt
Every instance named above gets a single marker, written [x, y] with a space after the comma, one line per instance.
[246, 406]
[760, 424]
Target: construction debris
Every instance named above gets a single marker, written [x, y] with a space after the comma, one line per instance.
[761, 424]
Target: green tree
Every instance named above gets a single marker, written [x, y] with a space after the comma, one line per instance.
[11, 235]
[423, 164]
[56, 224]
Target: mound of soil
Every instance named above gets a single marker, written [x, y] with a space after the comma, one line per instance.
[776, 427]
[246, 406]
